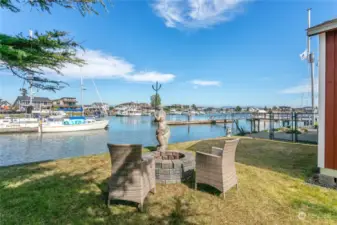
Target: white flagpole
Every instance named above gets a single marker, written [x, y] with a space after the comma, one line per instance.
[311, 69]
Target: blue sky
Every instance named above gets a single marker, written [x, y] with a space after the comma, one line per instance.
[233, 53]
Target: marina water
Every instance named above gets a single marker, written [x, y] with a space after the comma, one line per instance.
[34, 147]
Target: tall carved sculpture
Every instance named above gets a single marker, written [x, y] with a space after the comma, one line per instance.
[163, 131]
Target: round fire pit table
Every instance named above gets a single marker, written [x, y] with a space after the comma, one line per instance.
[174, 166]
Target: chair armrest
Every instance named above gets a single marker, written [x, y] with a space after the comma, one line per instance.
[204, 154]
[217, 151]
[148, 163]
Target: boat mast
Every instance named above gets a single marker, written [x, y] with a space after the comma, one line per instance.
[82, 96]
[31, 79]
[31, 92]
[100, 98]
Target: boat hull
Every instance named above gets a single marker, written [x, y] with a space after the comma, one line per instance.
[46, 128]
[128, 115]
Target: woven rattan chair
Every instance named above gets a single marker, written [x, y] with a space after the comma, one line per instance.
[132, 175]
[217, 168]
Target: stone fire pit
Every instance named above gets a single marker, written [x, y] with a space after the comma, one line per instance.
[174, 166]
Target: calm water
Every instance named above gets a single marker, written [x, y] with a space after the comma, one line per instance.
[33, 147]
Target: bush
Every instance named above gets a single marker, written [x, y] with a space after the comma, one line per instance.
[316, 125]
[293, 132]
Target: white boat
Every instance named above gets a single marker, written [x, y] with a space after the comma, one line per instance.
[24, 122]
[58, 115]
[146, 114]
[73, 124]
[13, 125]
[10, 124]
[189, 113]
[174, 112]
[129, 112]
[134, 112]
[122, 113]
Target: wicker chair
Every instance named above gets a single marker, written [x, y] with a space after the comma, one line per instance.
[218, 168]
[132, 175]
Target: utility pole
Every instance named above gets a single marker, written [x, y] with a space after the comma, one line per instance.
[311, 61]
[156, 89]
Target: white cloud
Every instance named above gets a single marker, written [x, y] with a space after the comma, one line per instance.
[305, 87]
[102, 65]
[196, 13]
[98, 65]
[150, 77]
[205, 83]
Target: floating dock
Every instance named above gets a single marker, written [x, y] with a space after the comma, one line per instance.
[197, 122]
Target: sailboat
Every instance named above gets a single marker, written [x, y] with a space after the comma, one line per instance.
[73, 124]
[78, 123]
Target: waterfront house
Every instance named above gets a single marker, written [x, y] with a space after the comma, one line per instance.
[4, 105]
[308, 109]
[211, 110]
[284, 108]
[97, 107]
[38, 103]
[126, 105]
[179, 106]
[65, 103]
[299, 110]
[327, 99]
[135, 105]
[100, 105]
[262, 111]
[230, 110]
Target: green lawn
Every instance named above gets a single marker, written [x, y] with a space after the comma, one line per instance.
[272, 191]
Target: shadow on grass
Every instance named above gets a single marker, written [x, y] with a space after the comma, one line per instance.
[296, 160]
[208, 189]
[36, 195]
[201, 187]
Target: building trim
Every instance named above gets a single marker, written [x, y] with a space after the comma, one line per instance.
[322, 28]
[328, 172]
[321, 100]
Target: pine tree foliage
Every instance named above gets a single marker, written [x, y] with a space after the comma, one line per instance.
[30, 57]
[83, 6]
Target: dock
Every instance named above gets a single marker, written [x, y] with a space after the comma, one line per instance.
[18, 130]
[177, 123]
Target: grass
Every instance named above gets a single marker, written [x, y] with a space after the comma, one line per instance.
[271, 178]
